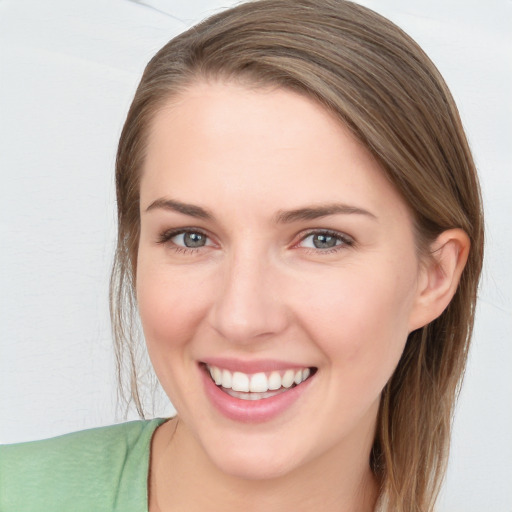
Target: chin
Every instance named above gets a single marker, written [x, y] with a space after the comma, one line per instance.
[251, 467]
[253, 458]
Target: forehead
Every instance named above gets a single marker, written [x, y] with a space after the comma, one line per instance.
[226, 143]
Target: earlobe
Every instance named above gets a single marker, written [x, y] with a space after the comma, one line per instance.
[440, 275]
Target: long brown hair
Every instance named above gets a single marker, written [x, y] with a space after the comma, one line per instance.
[383, 87]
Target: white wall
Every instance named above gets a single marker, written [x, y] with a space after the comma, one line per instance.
[68, 70]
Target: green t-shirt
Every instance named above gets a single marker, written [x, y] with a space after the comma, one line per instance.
[102, 469]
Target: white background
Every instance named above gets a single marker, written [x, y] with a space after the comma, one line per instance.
[68, 71]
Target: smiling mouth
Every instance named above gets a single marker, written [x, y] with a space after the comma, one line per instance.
[257, 386]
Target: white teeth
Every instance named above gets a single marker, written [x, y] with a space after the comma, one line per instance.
[240, 382]
[288, 377]
[258, 383]
[227, 379]
[274, 381]
[253, 396]
[216, 374]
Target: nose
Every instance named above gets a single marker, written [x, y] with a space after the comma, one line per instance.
[248, 304]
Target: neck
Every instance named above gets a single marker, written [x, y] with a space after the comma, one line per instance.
[182, 478]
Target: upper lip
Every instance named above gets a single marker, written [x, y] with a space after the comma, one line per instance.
[253, 366]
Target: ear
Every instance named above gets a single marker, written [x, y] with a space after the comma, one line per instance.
[439, 276]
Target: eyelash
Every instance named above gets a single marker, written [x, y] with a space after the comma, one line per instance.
[166, 237]
[345, 241]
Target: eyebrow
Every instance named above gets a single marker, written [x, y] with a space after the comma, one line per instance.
[317, 212]
[282, 216]
[177, 206]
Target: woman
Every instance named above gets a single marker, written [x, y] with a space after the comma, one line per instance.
[300, 230]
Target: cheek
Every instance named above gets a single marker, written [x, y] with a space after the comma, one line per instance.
[360, 321]
[170, 311]
[169, 307]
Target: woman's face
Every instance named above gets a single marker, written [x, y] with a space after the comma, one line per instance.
[273, 251]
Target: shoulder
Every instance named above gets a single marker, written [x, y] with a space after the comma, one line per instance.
[98, 468]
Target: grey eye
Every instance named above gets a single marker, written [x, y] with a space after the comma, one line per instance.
[190, 239]
[323, 241]
[194, 239]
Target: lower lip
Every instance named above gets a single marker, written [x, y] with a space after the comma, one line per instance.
[252, 411]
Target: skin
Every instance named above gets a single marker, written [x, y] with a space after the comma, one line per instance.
[261, 289]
